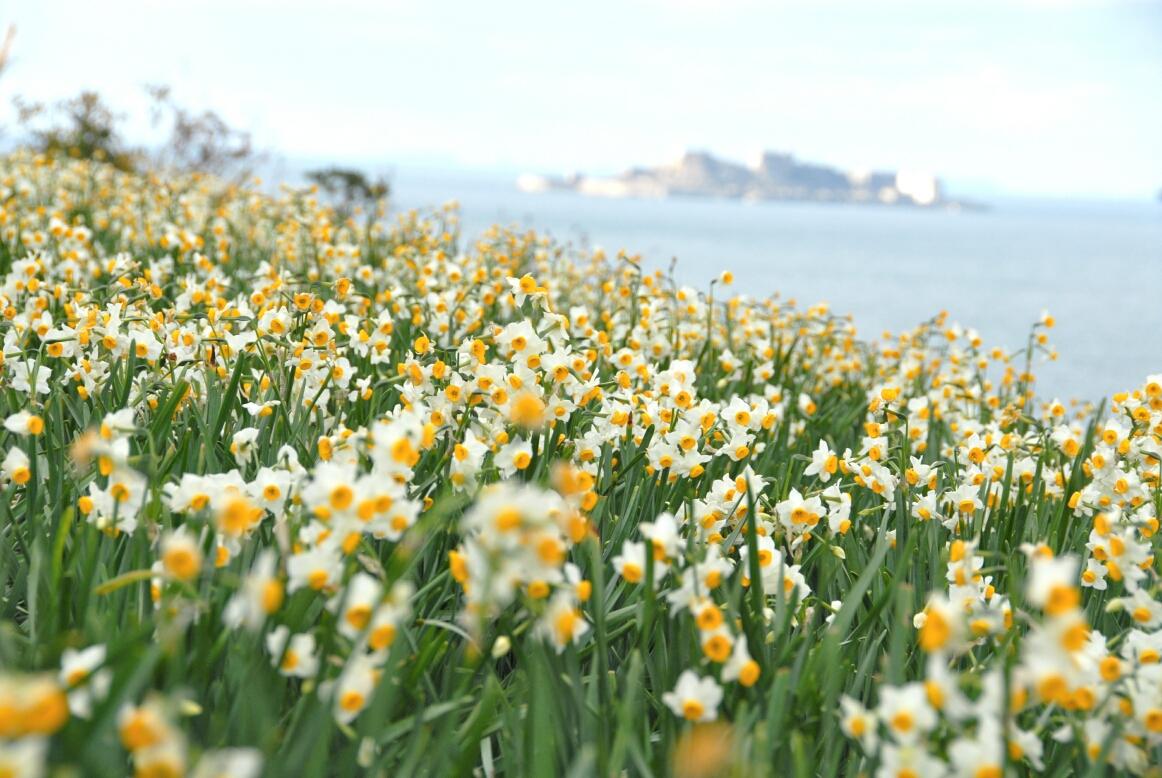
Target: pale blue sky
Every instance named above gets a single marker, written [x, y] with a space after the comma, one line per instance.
[1020, 96]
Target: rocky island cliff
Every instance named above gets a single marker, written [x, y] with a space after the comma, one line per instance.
[776, 176]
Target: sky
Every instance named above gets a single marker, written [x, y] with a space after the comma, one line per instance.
[1027, 97]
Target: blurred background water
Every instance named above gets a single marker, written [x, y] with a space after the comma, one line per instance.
[1097, 266]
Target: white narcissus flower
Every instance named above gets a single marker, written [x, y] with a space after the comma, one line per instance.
[824, 462]
[390, 615]
[663, 533]
[352, 690]
[909, 759]
[242, 445]
[694, 698]
[839, 509]
[738, 447]
[925, 508]
[229, 763]
[965, 499]
[919, 473]
[391, 523]
[362, 596]
[858, 723]
[1094, 575]
[806, 405]
[525, 287]
[767, 555]
[16, 466]
[563, 622]
[1052, 584]
[181, 555]
[741, 666]
[293, 655]
[630, 564]
[941, 624]
[260, 595]
[117, 423]
[1026, 745]
[271, 489]
[23, 758]
[799, 514]
[24, 423]
[513, 456]
[84, 685]
[1144, 610]
[167, 757]
[315, 568]
[906, 712]
[261, 410]
[30, 378]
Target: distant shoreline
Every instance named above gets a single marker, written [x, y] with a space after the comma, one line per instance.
[957, 205]
[777, 177]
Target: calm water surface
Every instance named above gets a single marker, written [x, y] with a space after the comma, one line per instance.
[1096, 266]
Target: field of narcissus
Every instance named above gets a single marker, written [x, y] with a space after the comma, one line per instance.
[287, 493]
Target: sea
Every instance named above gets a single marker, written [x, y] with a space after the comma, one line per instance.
[1096, 266]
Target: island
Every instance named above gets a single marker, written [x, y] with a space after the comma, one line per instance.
[776, 176]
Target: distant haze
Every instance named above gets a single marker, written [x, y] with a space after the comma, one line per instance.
[994, 96]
